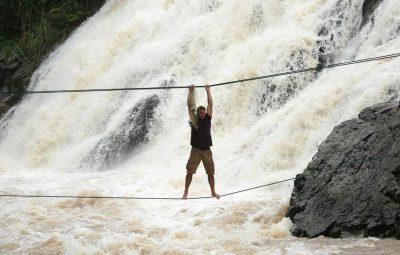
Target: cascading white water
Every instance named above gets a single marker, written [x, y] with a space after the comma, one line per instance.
[263, 131]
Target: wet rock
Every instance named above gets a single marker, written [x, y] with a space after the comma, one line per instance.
[3, 108]
[8, 66]
[129, 135]
[14, 76]
[274, 94]
[352, 185]
[369, 7]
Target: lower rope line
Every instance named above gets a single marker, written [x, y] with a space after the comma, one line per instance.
[261, 186]
[397, 154]
[138, 198]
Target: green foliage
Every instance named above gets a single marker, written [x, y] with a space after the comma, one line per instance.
[30, 28]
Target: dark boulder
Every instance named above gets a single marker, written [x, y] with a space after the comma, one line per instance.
[9, 64]
[130, 134]
[368, 8]
[3, 108]
[352, 185]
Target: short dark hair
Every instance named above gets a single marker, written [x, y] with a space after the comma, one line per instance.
[201, 108]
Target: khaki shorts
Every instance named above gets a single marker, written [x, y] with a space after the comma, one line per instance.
[197, 155]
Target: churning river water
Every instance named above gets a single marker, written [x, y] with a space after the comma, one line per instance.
[118, 144]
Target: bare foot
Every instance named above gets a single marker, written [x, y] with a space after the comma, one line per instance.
[216, 195]
[184, 197]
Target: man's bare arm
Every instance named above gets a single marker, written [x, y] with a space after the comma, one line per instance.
[190, 98]
[209, 101]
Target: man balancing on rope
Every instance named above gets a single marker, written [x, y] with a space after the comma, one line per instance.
[200, 122]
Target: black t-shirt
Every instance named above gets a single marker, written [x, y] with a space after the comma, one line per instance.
[201, 138]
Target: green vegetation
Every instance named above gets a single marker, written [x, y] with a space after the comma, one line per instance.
[29, 29]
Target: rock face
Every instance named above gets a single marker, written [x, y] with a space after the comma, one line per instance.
[352, 184]
[29, 31]
[368, 8]
[130, 134]
[3, 108]
[10, 78]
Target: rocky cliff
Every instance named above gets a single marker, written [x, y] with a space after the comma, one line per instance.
[352, 185]
[29, 31]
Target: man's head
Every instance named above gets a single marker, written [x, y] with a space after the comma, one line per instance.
[201, 112]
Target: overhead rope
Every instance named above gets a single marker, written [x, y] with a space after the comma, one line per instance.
[316, 68]
[177, 198]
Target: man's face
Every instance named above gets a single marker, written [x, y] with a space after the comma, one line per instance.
[202, 114]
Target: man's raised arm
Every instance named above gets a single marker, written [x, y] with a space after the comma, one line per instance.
[209, 101]
[190, 99]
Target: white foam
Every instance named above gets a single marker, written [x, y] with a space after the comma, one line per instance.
[143, 43]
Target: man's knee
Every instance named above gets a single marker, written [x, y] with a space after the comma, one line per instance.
[191, 171]
[209, 166]
[210, 170]
[191, 166]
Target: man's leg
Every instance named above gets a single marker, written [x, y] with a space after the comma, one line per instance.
[188, 181]
[191, 166]
[208, 163]
[211, 181]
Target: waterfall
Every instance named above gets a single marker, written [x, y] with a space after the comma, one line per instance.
[137, 142]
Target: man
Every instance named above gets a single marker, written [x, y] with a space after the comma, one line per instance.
[201, 142]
